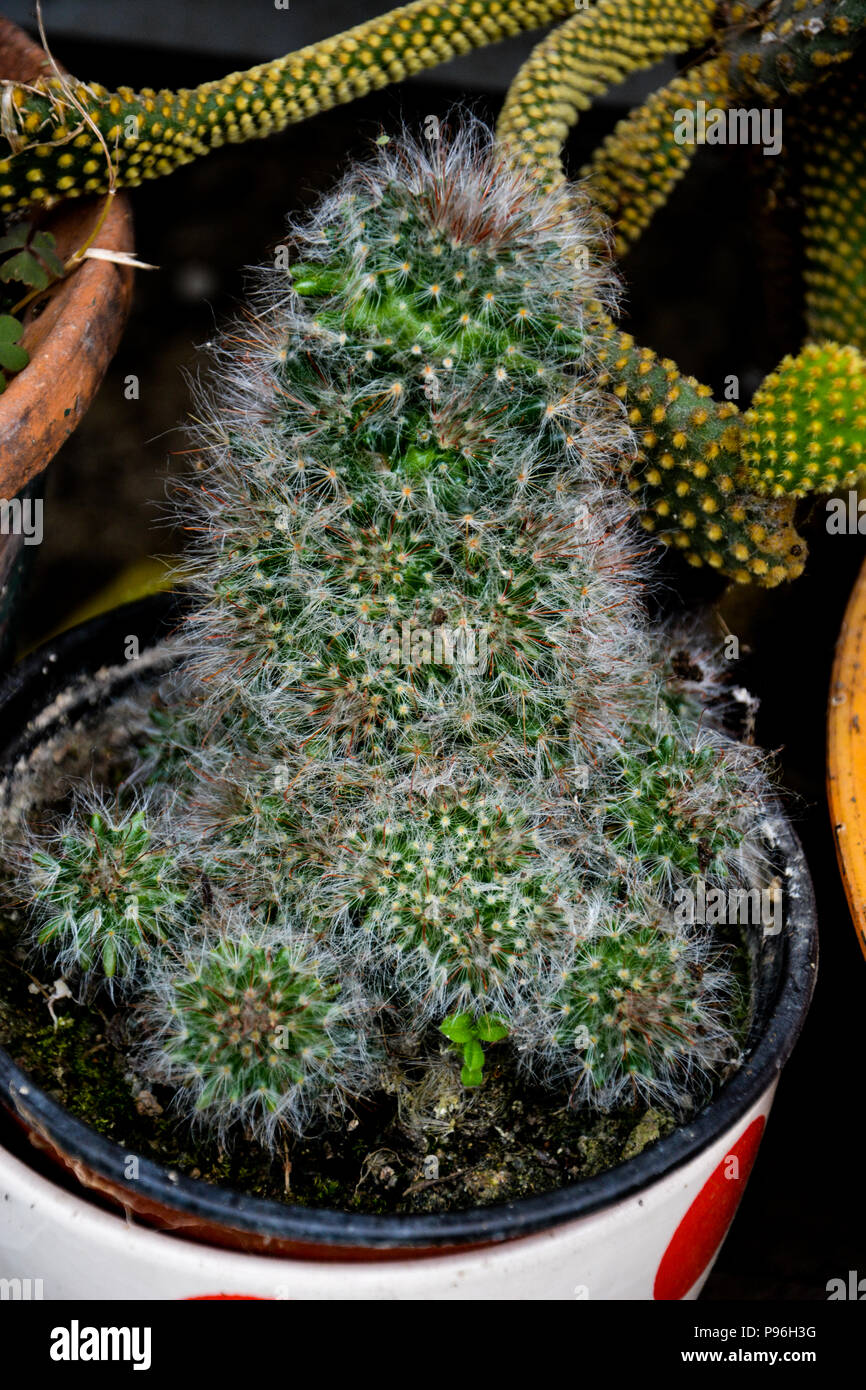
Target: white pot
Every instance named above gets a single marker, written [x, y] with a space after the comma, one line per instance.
[658, 1243]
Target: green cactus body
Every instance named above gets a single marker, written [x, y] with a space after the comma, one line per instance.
[627, 1010]
[103, 892]
[249, 1030]
[807, 425]
[665, 813]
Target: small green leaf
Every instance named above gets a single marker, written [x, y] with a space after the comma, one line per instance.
[473, 1055]
[457, 1027]
[35, 262]
[471, 1078]
[12, 356]
[490, 1029]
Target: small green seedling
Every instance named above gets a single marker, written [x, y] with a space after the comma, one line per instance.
[467, 1034]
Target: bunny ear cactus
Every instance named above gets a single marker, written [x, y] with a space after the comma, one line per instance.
[807, 422]
[441, 789]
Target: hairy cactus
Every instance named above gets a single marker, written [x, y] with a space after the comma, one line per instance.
[250, 1027]
[440, 780]
[628, 1010]
[103, 890]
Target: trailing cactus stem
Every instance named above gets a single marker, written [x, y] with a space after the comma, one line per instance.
[634, 170]
[688, 473]
[595, 49]
[783, 48]
[57, 147]
[831, 129]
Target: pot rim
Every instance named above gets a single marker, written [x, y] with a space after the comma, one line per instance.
[84, 649]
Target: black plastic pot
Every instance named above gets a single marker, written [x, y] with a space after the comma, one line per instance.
[785, 968]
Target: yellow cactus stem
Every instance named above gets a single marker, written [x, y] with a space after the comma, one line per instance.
[54, 134]
[590, 52]
[634, 170]
[806, 429]
[688, 477]
[783, 48]
[832, 128]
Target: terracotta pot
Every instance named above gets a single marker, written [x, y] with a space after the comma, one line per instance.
[846, 754]
[71, 333]
[650, 1228]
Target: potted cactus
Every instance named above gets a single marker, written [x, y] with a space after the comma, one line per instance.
[413, 869]
[423, 800]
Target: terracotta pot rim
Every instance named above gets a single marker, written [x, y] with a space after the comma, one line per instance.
[73, 329]
[783, 1001]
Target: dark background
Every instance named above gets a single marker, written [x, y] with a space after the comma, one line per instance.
[699, 289]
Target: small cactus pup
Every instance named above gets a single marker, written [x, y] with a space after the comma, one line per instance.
[249, 1026]
[628, 1005]
[437, 781]
[102, 890]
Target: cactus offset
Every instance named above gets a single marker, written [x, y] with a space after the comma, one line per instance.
[103, 890]
[250, 1029]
